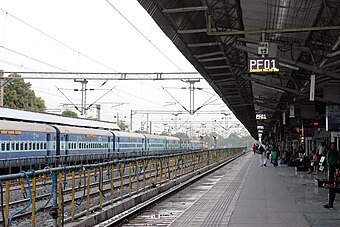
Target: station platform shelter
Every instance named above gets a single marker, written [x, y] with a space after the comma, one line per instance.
[247, 194]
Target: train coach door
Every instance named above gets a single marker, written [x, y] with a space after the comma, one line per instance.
[108, 143]
[66, 145]
[48, 144]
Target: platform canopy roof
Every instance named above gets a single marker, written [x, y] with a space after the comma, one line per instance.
[218, 37]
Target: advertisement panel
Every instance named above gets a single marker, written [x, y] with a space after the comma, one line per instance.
[333, 118]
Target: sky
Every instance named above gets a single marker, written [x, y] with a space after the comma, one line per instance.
[105, 37]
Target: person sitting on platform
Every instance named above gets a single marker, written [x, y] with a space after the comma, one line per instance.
[314, 163]
[283, 158]
[334, 188]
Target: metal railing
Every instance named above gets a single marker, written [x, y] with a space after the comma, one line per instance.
[64, 193]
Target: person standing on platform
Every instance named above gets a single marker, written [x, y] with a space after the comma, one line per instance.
[322, 154]
[322, 149]
[334, 187]
[254, 148]
[274, 155]
[262, 155]
[332, 159]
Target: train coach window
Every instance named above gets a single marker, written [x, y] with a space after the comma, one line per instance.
[34, 147]
[45, 145]
[17, 146]
[12, 146]
[26, 146]
[3, 146]
[8, 146]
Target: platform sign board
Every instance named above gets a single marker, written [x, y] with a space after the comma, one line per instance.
[263, 48]
[333, 118]
[291, 111]
[261, 117]
[263, 65]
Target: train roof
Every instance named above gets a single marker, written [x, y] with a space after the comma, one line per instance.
[20, 115]
[25, 126]
[172, 138]
[78, 130]
[128, 134]
[151, 136]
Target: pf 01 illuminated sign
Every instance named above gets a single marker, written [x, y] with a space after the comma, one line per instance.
[262, 65]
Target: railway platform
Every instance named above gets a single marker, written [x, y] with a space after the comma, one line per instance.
[250, 195]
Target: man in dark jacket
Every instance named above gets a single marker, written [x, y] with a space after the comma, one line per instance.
[332, 159]
[334, 187]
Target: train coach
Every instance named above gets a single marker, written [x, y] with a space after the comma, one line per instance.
[26, 140]
[19, 139]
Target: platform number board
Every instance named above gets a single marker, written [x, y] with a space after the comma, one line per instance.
[262, 65]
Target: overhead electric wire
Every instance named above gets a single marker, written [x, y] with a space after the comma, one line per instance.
[37, 60]
[44, 92]
[143, 35]
[176, 100]
[206, 103]
[3, 31]
[100, 97]
[56, 40]
[68, 99]
[24, 55]
[15, 65]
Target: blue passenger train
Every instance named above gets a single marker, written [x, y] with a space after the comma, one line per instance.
[26, 139]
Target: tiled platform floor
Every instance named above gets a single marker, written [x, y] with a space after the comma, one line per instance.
[250, 195]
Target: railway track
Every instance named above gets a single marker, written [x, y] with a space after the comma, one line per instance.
[118, 188]
[80, 191]
[166, 207]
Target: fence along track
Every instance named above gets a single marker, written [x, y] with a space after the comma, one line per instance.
[130, 177]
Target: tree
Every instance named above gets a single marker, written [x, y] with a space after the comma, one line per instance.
[123, 126]
[140, 131]
[180, 135]
[69, 113]
[18, 95]
[164, 133]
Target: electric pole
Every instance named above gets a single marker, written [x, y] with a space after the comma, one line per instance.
[83, 95]
[1, 88]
